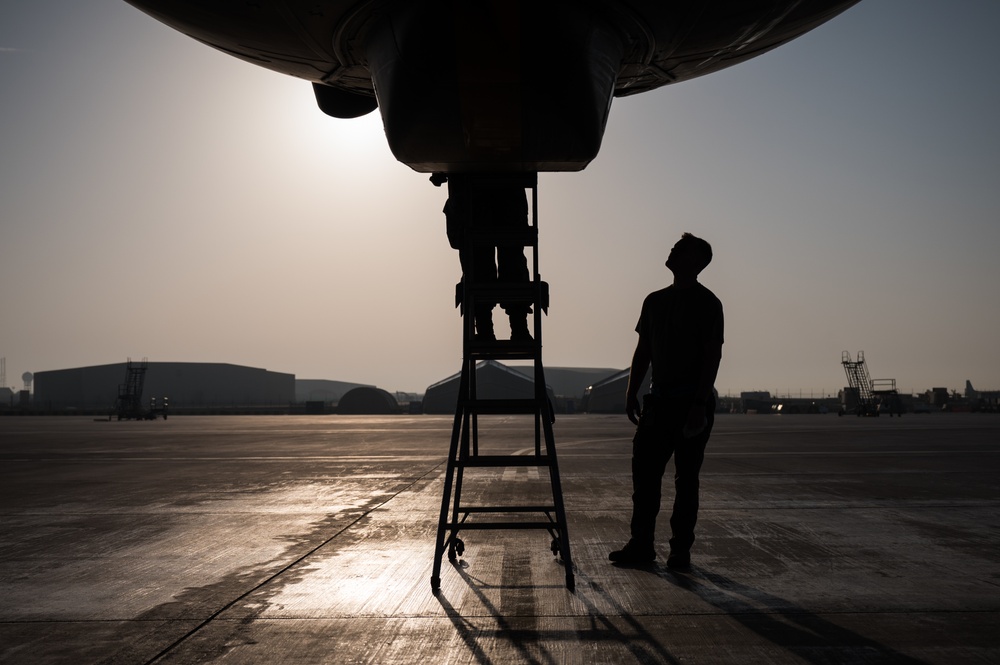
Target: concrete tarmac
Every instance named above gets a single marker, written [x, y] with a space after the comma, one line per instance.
[305, 539]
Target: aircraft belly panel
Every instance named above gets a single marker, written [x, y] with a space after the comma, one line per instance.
[495, 84]
[484, 91]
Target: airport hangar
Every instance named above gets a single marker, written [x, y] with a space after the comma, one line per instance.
[222, 386]
[185, 384]
[565, 386]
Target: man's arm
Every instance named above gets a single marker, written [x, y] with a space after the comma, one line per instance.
[709, 370]
[712, 356]
[637, 371]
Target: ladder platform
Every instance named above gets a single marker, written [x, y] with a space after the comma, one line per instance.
[484, 526]
[494, 461]
[507, 509]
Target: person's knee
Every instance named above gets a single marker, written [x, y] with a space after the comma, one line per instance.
[648, 461]
[687, 486]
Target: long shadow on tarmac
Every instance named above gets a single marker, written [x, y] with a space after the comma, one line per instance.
[803, 633]
[529, 641]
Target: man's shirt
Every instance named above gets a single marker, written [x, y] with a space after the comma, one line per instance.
[678, 324]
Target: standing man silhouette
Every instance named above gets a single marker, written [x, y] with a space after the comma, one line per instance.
[680, 334]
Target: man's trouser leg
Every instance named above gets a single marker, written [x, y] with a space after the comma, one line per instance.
[651, 450]
[479, 267]
[512, 266]
[688, 457]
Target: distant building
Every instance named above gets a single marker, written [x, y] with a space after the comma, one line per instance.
[367, 400]
[849, 399]
[569, 384]
[322, 390]
[756, 401]
[493, 381]
[938, 397]
[187, 385]
[608, 394]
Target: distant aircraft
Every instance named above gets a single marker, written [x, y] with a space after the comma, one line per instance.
[491, 85]
[989, 398]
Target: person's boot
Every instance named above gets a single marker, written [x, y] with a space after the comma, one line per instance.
[484, 327]
[519, 328]
[634, 554]
[679, 559]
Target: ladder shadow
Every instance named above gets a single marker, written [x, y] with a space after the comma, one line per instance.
[533, 645]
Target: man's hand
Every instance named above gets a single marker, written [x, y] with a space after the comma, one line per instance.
[695, 422]
[632, 408]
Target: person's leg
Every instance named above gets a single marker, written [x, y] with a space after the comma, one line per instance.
[512, 267]
[688, 458]
[689, 455]
[650, 454]
[512, 264]
[482, 269]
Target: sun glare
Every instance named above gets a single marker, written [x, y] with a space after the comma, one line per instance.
[356, 141]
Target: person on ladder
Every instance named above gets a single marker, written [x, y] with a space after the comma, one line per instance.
[486, 203]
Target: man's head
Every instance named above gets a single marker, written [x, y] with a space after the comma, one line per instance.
[689, 256]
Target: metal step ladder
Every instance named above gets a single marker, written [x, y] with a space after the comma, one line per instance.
[860, 381]
[464, 452]
[128, 404]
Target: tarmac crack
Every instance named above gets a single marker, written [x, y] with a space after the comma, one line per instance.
[301, 558]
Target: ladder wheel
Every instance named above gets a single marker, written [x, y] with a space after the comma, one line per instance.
[455, 547]
[555, 546]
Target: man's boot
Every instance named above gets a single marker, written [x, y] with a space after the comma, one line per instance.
[519, 328]
[484, 326]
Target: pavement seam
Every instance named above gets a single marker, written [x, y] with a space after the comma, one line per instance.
[163, 653]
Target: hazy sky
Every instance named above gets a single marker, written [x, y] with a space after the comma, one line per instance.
[161, 199]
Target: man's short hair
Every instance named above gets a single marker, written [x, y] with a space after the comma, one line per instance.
[700, 246]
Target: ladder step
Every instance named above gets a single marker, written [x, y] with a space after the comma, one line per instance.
[494, 461]
[507, 509]
[483, 526]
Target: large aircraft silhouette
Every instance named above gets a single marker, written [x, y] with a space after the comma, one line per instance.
[491, 85]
